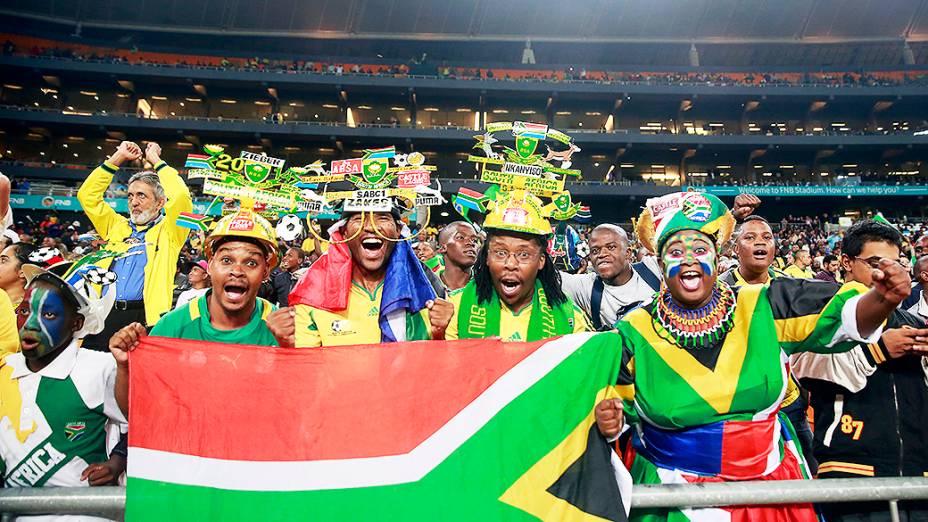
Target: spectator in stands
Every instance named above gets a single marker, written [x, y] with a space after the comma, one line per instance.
[74, 385]
[920, 308]
[12, 278]
[151, 236]
[831, 270]
[616, 285]
[284, 277]
[802, 260]
[198, 279]
[870, 403]
[754, 247]
[458, 245]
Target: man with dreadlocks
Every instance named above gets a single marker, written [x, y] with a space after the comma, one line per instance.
[516, 290]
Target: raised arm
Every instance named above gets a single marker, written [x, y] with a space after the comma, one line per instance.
[91, 193]
[175, 190]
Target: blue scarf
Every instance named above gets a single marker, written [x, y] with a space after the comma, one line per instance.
[405, 287]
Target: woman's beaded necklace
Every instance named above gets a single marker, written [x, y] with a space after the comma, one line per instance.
[703, 327]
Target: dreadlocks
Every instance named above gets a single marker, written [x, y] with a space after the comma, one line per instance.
[548, 276]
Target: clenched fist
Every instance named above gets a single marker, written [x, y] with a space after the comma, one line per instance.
[610, 417]
[124, 341]
[892, 282]
[282, 323]
[440, 312]
[126, 151]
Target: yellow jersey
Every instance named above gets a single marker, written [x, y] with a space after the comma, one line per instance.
[357, 324]
[513, 326]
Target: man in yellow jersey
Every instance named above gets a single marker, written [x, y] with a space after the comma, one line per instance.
[516, 290]
[369, 289]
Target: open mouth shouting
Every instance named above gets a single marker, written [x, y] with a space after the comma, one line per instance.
[690, 279]
[235, 292]
[510, 287]
[373, 247]
[760, 254]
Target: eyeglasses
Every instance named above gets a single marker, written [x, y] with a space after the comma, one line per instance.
[523, 257]
[874, 261]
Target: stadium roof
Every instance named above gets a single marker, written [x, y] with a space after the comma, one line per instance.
[628, 21]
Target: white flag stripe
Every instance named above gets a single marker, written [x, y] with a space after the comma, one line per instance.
[361, 472]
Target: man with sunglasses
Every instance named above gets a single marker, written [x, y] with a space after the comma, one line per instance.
[870, 403]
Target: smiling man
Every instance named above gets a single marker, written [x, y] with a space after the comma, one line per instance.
[618, 285]
[516, 291]
[57, 399]
[367, 289]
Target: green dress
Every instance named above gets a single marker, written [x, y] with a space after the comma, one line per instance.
[711, 414]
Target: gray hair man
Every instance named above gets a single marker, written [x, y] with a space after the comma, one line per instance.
[150, 236]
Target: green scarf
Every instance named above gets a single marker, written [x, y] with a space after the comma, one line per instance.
[480, 320]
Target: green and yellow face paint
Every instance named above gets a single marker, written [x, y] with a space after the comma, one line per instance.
[688, 247]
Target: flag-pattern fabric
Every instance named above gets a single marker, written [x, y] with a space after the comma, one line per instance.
[197, 161]
[193, 221]
[463, 430]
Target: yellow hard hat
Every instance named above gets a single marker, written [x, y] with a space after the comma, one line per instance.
[245, 223]
[518, 211]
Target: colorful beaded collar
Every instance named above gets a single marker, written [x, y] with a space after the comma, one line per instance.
[699, 328]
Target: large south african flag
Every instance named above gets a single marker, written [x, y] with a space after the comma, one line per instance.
[463, 430]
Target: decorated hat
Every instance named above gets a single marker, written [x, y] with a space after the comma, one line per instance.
[666, 215]
[93, 308]
[245, 223]
[527, 186]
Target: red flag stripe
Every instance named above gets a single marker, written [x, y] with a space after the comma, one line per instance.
[241, 402]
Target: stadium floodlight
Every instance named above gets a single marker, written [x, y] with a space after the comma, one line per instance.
[13, 86]
[849, 166]
[723, 167]
[627, 165]
[230, 102]
[329, 106]
[159, 98]
[430, 109]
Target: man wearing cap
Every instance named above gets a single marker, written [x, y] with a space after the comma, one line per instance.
[150, 236]
[369, 289]
[198, 278]
[57, 400]
[516, 291]
[240, 252]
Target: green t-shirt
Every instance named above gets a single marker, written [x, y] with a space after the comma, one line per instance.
[191, 321]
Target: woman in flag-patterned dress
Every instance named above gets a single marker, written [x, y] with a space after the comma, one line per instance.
[705, 366]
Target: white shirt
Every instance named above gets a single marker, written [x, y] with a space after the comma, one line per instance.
[920, 308]
[189, 295]
[617, 300]
[43, 440]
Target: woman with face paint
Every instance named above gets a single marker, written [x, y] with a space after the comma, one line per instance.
[705, 365]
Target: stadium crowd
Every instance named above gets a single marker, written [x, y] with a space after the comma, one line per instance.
[830, 309]
[423, 66]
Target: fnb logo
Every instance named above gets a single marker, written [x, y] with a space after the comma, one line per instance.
[241, 225]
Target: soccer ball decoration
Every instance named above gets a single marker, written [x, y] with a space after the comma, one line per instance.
[290, 227]
[583, 249]
[100, 276]
[44, 254]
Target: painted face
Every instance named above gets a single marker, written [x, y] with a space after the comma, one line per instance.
[46, 321]
[689, 263]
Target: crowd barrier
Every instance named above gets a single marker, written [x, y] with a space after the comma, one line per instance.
[111, 501]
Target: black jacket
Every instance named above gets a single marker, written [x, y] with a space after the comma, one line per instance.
[881, 429]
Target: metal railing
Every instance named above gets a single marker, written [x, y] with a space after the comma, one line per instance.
[112, 500]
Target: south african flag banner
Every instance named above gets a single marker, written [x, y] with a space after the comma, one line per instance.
[463, 430]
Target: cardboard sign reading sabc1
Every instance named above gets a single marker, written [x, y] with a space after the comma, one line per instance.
[413, 178]
[369, 201]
